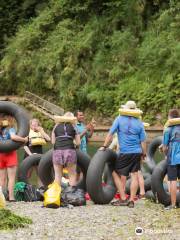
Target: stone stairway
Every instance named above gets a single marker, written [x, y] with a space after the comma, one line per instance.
[39, 104]
[45, 107]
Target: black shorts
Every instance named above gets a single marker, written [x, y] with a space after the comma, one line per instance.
[128, 163]
[173, 172]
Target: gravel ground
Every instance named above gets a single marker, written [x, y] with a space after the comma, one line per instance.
[95, 222]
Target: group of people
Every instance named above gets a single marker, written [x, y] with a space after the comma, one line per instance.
[132, 151]
[67, 136]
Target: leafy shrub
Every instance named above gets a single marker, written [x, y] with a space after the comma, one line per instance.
[10, 220]
[97, 55]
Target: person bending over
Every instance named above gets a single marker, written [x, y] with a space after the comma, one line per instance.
[64, 153]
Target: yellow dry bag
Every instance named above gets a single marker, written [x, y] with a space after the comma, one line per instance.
[52, 196]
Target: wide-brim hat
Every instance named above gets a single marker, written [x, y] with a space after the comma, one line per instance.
[65, 119]
[130, 105]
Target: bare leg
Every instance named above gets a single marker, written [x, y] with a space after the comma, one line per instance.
[141, 183]
[173, 191]
[72, 174]
[79, 174]
[169, 188]
[3, 178]
[134, 185]
[58, 171]
[119, 185]
[123, 179]
[11, 171]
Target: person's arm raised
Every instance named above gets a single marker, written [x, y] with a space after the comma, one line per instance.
[44, 134]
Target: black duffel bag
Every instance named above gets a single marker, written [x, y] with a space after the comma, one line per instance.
[73, 196]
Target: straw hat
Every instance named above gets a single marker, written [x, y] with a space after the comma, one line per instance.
[67, 117]
[130, 105]
[130, 109]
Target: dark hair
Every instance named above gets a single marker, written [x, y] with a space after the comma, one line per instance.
[174, 113]
[76, 112]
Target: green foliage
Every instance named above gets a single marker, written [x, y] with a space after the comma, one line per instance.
[9, 220]
[98, 54]
[46, 122]
[14, 13]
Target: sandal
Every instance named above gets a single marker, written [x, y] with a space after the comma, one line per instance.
[120, 203]
[131, 204]
[142, 196]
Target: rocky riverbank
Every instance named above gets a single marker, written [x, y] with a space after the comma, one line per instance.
[95, 222]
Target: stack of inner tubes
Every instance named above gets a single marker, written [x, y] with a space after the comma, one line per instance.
[46, 173]
[99, 181]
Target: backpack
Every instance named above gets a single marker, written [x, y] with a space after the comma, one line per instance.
[174, 156]
[26, 192]
[73, 196]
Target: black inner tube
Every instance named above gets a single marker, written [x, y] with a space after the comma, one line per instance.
[26, 165]
[152, 148]
[45, 168]
[101, 193]
[157, 184]
[22, 120]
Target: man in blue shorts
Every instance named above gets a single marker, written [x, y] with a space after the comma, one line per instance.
[132, 142]
[171, 147]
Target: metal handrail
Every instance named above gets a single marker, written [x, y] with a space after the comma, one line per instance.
[44, 104]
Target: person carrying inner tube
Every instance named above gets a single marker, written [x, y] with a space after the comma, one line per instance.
[115, 146]
[171, 147]
[132, 142]
[9, 161]
[64, 154]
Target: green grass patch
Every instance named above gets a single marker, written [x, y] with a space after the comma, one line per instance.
[9, 220]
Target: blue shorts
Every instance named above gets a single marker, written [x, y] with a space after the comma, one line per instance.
[173, 172]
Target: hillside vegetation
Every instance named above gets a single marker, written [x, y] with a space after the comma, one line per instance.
[95, 55]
